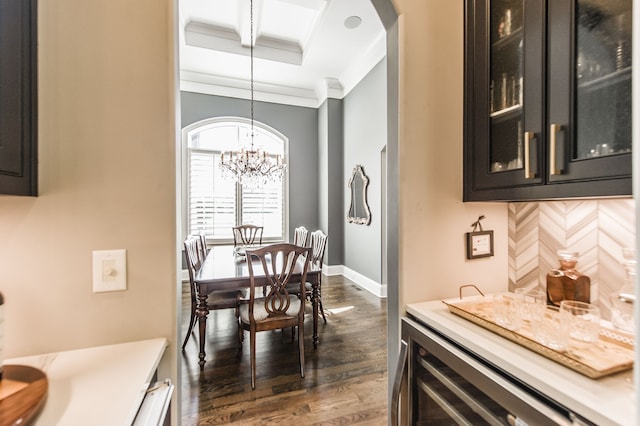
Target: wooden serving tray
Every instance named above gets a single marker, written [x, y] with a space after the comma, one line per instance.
[23, 390]
[613, 353]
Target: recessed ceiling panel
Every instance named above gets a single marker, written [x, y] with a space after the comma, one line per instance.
[223, 13]
[291, 21]
[300, 45]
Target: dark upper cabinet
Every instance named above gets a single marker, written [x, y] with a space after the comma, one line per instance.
[547, 99]
[18, 97]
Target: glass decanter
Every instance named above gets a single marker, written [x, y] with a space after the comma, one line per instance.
[567, 283]
[622, 301]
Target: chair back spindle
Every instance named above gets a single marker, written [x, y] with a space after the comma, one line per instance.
[318, 244]
[247, 235]
[300, 235]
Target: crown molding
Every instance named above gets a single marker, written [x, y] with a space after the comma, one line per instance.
[191, 81]
[329, 88]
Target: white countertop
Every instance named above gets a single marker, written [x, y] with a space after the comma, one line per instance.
[608, 400]
[102, 385]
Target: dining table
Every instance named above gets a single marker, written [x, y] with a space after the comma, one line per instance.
[225, 268]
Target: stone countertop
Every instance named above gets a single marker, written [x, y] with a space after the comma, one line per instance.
[608, 400]
[102, 385]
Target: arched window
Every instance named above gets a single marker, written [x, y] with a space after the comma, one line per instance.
[216, 203]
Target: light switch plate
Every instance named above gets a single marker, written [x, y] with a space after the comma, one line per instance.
[109, 270]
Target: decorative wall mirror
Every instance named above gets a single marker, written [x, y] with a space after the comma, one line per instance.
[359, 209]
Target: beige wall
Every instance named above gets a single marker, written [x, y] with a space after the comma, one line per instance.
[107, 181]
[107, 175]
[433, 219]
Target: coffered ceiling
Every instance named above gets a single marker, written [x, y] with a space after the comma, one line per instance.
[304, 50]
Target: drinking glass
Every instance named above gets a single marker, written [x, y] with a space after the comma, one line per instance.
[531, 302]
[506, 311]
[551, 328]
[585, 320]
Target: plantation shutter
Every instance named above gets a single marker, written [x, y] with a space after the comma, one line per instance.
[263, 206]
[200, 192]
[212, 201]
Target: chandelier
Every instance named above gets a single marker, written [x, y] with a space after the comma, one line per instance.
[253, 164]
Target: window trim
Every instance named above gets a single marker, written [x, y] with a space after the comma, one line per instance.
[184, 168]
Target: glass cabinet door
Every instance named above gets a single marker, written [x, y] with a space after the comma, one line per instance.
[589, 131]
[508, 77]
[505, 87]
[603, 73]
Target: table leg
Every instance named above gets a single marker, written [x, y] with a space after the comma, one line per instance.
[202, 311]
[314, 303]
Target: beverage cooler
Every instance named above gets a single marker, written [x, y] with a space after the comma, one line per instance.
[451, 372]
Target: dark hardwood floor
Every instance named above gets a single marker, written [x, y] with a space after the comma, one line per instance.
[345, 377]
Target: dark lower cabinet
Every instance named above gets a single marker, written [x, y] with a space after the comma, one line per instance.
[18, 98]
[547, 99]
[445, 384]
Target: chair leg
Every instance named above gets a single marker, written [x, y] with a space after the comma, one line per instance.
[252, 338]
[301, 347]
[192, 322]
[322, 309]
[240, 333]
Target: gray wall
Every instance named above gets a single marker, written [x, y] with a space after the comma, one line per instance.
[365, 136]
[325, 144]
[299, 124]
[323, 162]
[331, 152]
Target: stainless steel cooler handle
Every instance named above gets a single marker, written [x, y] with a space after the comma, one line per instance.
[401, 374]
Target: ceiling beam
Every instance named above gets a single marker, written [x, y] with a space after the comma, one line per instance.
[207, 36]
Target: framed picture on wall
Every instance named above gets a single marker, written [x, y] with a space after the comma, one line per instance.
[479, 244]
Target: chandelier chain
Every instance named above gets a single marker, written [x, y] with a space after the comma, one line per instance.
[251, 74]
[253, 165]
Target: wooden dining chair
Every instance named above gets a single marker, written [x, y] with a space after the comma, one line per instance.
[203, 246]
[247, 235]
[318, 245]
[217, 299]
[280, 264]
[300, 235]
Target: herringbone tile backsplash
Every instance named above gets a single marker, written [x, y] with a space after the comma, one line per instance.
[597, 229]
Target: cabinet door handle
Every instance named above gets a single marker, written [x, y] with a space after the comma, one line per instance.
[528, 173]
[553, 169]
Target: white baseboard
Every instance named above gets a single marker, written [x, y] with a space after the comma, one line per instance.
[332, 269]
[366, 283]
